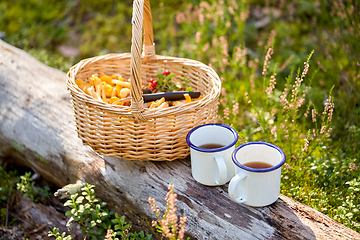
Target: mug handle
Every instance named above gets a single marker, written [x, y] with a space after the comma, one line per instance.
[232, 187]
[222, 170]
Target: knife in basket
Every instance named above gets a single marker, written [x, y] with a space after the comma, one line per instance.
[169, 96]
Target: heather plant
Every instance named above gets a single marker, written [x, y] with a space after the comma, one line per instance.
[218, 28]
[169, 225]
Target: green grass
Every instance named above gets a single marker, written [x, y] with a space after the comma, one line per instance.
[323, 170]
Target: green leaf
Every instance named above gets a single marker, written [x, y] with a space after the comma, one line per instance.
[171, 75]
[69, 203]
[93, 212]
[98, 208]
[92, 224]
[104, 226]
[79, 200]
[81, 209]
[73, 196]
[68, 213]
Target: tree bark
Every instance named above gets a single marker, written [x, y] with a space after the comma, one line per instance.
[37, 130]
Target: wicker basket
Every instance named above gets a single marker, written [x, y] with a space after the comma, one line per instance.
[132, 132]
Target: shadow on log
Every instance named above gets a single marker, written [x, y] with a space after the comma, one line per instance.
[38, 131]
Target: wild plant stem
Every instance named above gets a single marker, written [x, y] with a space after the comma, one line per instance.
[8, 201]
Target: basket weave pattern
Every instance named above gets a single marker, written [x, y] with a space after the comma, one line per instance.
[135, 133]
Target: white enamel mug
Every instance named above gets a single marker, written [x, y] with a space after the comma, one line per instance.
[212, 167]
[256, 187]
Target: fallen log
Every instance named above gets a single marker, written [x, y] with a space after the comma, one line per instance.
[38, 131]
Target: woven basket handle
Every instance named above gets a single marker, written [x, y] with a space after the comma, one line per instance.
[141, 19]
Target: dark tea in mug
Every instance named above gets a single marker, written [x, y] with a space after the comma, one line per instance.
[211, 146]
[258, 165]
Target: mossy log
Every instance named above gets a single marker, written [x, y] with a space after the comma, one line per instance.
[37, 130]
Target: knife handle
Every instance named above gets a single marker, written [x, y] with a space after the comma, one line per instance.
[169, 96]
